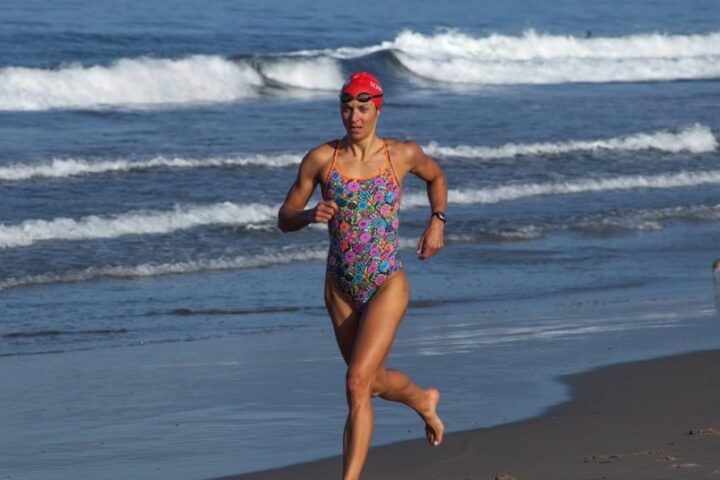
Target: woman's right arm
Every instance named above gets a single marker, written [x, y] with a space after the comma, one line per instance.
[292, 214]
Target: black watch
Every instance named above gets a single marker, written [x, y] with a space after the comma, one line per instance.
[440, 215]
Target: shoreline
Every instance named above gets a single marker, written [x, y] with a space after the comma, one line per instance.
[648, 419]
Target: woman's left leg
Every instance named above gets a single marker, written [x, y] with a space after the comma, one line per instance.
[394, 385]
[378, 325]
[379, 322]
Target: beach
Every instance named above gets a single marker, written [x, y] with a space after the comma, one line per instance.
[656, 419]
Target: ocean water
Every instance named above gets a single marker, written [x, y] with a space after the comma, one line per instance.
[154, 323]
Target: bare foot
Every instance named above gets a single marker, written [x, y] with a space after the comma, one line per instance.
[434, 427]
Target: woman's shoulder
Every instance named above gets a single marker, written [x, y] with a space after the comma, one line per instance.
[322, 150]
[317, 161]
[403, 150]
[320, 155]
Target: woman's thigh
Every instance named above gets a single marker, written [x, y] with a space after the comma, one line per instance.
[378, 324]
[344, 315]
[380, 317]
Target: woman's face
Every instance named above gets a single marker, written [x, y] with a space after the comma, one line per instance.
[359, 119]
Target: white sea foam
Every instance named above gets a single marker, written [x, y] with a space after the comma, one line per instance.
[601, 222]
[147, 82]
[149, 222]
[632, 220]
[60, 168]
[694, 139]
[525, 232]
[532, 45]
[153, 270]
[505, 193]
[647, 219]
[140, 222]
[451, 56]
[448, 56]
[461, 339]
[318, 73]
[455, 57]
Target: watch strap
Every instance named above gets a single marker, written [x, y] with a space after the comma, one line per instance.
[440, 215]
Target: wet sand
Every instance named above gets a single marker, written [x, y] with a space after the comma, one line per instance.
[656, 419]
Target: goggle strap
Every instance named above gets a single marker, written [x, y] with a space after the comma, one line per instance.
[361, 97]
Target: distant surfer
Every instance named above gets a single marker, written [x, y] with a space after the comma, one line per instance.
[366, 290]
[716, 266]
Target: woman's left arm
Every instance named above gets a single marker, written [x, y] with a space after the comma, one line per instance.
[432, 239]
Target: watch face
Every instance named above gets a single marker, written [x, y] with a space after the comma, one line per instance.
[441, 216]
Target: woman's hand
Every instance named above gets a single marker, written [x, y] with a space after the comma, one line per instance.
[323, 211]
[432, 239]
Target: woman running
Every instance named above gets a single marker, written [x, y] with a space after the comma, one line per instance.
[366, 290]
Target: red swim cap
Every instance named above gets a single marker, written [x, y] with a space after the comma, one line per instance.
[364, 82]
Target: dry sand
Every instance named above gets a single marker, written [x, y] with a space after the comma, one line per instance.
[657, 419]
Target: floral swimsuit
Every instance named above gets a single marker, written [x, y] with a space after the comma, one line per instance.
[364, 232]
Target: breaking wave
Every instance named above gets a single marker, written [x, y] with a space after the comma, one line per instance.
[447, 57]
[694, 139]
[149, 222]
[505, 193]
[602, 222]
[534, 58]
[148, 82]
[140, 222]
[62, 168]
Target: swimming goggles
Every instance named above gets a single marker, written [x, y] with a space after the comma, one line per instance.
[361, 97]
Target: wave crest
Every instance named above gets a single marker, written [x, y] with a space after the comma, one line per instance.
[533, 58]
[145, 222]
[447, 57]
[694, 139]
[62, 168]
[140, 222]
[150, 82]
[506, 193]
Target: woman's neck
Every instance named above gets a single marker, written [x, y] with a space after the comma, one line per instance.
[362, 149]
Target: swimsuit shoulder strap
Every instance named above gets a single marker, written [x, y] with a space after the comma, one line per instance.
[332, 165]
[389, 161]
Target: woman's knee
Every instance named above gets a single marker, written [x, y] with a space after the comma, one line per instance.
[359, 384]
